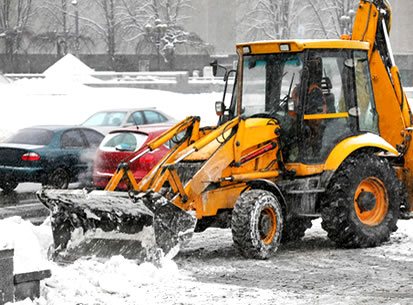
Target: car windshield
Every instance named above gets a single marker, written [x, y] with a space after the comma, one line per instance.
[110, 118]
[123, 141]
[31, 136]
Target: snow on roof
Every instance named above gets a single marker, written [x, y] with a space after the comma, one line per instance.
[72, 68]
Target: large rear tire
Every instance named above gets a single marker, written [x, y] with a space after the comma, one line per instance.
[257, 223]
[361, 205]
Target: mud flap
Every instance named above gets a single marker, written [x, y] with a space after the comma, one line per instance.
[104, 224]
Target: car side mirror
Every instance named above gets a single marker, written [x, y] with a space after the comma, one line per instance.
[219, 108]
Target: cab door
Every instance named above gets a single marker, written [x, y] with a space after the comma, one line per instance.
[330, 112]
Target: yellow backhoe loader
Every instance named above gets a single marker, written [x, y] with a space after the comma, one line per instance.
[314, 128]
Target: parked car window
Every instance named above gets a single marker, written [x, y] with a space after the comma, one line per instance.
[93, 137]
[136, 118]
[110, 118]
[31, 136]
[72, 139]
[153, 117]
[123, 141]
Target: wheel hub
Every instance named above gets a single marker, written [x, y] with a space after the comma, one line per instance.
[371, 202]
[267, 225]
[366, 201]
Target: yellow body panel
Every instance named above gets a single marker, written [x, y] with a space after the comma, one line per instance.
[225, 196]
[342, 150]
[268, 47]
[303, 170]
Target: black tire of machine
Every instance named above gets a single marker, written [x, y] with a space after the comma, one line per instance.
[257, 224]
[348, 198]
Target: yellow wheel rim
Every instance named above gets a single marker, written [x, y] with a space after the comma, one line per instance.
[267, 225]
[371, 201]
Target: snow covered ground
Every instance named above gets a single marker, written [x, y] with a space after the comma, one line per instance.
[211, 271]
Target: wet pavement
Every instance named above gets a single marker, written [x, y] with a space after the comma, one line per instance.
[24, 203]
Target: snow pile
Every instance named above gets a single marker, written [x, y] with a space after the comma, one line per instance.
[30, 243]
[70, 68]
[116, 281]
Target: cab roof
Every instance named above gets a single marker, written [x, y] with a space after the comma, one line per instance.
[299, 45]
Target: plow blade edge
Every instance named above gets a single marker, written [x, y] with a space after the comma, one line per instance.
[103, 224]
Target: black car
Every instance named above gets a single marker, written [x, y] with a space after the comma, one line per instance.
[51, 155]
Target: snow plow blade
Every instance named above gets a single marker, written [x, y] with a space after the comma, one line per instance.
[104, 224]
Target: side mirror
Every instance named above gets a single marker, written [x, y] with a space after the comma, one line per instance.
[214, 66]
[349, 63]
[219, 108]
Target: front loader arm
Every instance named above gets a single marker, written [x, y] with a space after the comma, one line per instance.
[123, 170]
[165, 169]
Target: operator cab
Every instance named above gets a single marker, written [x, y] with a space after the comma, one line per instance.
[319, 94]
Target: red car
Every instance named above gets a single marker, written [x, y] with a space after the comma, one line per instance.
[121, 143]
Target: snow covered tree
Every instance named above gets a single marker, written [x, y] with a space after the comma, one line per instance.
[15, 16]
[270, 19]
[155, 27]
[281, 19]
[332, 17]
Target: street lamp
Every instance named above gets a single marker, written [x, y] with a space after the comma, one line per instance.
[77, 44]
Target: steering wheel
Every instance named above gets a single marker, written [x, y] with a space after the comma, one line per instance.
[282, 105]
[268, 115]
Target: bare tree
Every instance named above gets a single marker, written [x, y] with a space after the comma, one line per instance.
[15, 18]
[332, 17]
[270, 19]
[59, 31]
[155, 26]
[105, 23]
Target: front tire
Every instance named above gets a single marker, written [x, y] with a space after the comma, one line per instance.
[361, 205]
[257, 223]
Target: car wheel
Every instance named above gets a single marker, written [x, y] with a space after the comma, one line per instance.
[58, 179]
[8, 186]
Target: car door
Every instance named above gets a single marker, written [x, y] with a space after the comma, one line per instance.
[73, 147]
[136, 118]
[153, 117]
